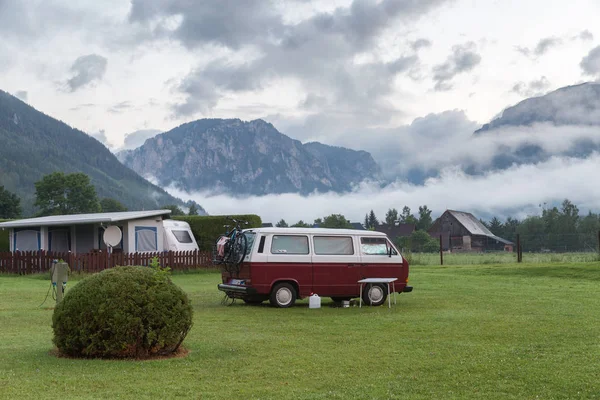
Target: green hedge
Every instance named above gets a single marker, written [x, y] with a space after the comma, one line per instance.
[4, 238]
[208, 228]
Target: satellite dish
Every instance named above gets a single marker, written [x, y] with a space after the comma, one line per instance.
[112, 236]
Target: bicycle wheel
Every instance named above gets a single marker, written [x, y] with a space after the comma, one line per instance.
[238, 249]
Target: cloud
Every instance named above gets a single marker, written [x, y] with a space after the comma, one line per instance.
[120, 107]
[532, 88]
[87, 69]
[463, 59]
[584, 35]
[101, 137]
[546, 44]
[22, 95]
[260, 47]
[516, 191]
[438, 141]
[135, 139]
[420, 44]
[590, 64]
[542, 47]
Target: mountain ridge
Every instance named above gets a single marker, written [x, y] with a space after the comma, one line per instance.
[247, 157]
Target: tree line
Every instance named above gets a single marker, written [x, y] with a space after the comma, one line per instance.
[559, 228]
[63, 194]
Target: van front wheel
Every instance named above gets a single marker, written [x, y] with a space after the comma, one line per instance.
[283, 295]
[374, 294]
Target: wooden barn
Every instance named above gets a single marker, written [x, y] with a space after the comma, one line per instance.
[461, 231]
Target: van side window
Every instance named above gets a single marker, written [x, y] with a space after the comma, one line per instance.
[261, 245]
[333, 245]
[376, 246]
[288, 244]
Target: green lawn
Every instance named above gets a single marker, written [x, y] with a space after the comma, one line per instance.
[505, 331]
[499, 257]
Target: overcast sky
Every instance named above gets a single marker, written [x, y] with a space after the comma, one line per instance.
[339, 71]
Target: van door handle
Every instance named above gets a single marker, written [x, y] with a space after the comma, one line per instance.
[352, 265]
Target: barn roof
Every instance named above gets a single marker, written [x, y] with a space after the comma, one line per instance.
[474, 226]
[78, 219]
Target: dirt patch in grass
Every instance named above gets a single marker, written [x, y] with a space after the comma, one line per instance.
[181, 352]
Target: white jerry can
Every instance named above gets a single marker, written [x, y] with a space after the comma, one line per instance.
[314, 301]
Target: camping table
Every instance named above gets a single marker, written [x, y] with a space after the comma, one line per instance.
[380, 280]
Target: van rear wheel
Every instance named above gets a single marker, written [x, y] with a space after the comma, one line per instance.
[283, 295]
[374, 294]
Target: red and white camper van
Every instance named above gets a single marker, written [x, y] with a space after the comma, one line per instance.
[285, 264]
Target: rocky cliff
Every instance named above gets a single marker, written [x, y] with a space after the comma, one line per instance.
[237, 157]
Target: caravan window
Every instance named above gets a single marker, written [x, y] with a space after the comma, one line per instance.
[182, 236]
[27, 240]
[146, 238]
[59, 240]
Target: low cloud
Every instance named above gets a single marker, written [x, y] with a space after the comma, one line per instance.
[22, 95]
[87, 69]
[535, 87]
[590, 64]
[437, 141]
[101, 137]
[516, 192]
[463, 59]
[135, 139]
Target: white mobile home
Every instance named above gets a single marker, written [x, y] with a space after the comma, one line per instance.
[143, 231]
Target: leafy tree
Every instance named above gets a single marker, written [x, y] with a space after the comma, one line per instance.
[336, 221]
[301, 224]
[60, 193]
[419, 242]
[424, 222]
[175, 210]
[10, 204]
[282, 224]
[391, 216]
[510, 227]
[111, 205]
[495, 226]
[193, 210]
[318, 221]
[406, 217]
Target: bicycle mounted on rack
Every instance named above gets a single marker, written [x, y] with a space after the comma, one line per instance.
[230, 249]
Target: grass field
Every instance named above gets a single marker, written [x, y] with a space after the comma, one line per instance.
[499, 257]
[507, 331]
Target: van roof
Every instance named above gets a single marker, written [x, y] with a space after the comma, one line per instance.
[317, 231]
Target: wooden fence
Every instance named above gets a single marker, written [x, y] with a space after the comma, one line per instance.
[31, 262]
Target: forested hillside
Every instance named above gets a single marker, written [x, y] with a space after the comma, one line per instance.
[33, 144]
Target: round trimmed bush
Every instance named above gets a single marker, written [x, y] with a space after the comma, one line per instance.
[123, 312]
